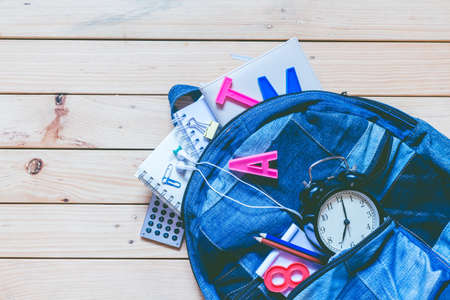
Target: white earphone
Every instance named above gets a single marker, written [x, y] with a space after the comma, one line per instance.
[180, 154]
[182, 165]
[183, 157]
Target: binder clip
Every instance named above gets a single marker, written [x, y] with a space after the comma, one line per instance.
[211, 130]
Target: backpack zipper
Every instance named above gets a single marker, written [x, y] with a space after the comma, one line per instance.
[409, 121]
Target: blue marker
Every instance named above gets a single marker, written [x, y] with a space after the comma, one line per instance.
[293, 246]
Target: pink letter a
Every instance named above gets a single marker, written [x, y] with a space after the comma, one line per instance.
[249, 164]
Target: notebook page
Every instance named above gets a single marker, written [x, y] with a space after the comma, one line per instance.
[158, 172]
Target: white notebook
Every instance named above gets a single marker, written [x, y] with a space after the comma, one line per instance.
[273, 66]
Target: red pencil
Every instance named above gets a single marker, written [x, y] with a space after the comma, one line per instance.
[288, 250]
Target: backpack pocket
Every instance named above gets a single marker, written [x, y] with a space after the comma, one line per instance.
[392, 264]
[232, 275]
[237, 283]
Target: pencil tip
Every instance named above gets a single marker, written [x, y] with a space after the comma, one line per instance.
[264, 235]
[257, 238]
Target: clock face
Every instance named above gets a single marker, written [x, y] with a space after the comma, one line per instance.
[345, 218]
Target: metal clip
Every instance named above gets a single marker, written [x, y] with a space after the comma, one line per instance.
[167, 180]
[211, 130]
[199, 126]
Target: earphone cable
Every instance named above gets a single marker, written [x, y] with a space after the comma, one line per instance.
[279, 205]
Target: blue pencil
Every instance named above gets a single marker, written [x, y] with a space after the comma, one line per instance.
[293, 246]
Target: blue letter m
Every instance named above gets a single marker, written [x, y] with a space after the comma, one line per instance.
[292, 85]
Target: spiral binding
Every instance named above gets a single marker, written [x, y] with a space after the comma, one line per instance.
[158, 189]
[186, 132]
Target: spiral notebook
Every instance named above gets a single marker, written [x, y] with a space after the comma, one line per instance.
[158, 171]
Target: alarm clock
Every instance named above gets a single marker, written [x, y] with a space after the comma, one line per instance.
[340, 209]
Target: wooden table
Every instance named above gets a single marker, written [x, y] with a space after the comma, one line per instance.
[83, 88]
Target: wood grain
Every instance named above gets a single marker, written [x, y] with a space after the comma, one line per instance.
[79, 121]
[231, 19]
[72, 231]
[132, 122]
[96, 279]
[152, 67]
[68, 176]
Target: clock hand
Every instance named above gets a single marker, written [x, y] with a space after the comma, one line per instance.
[343, 234]
[345, 212]
[346, 223]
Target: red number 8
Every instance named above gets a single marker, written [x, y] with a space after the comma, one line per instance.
[287, 274]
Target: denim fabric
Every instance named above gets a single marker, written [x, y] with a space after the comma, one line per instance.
[181, 90]
[407, 161]
[393, 265]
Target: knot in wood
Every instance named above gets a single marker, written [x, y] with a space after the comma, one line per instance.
[34, 166]
[60, 99]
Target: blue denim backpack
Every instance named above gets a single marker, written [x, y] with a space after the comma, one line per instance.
[407, 161]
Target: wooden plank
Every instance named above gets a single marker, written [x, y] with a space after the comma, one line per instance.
[75, 231]
[134, 122]
[151, 67]
[97, 279]
[232, 19]
[67, 176]
[435, 111]
[77, 121]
